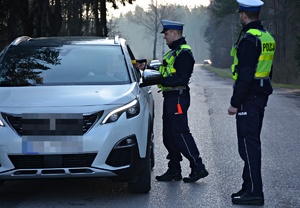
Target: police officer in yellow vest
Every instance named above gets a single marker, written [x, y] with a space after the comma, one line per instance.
[253, 55]
[177, 69]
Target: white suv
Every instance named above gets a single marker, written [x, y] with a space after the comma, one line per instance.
[75, 107]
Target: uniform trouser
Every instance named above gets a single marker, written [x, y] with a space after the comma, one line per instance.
[249, 121]
[176, 133]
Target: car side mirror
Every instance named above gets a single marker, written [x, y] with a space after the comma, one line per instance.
[150, 77]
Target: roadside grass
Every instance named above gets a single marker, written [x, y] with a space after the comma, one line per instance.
[226, 73]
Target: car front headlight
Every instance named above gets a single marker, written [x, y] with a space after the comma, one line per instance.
[132, 109]
[1, 123]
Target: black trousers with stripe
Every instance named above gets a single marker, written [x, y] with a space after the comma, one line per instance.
[177, 137]
[249, 120]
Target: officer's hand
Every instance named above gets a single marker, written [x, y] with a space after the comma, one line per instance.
[232, 110]
[140, 66]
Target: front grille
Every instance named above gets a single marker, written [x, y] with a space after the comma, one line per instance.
[15, 121]
[52, 161]
[89, 120]
[120, 157]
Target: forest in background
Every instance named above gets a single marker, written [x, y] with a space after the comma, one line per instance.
[210, 31]
[280, 17]
[143, 29]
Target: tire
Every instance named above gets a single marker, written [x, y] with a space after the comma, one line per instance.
[143, 183]
[152, 157]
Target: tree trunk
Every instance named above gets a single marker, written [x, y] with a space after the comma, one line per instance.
[96, 13]
[12, 20]
[103, 28]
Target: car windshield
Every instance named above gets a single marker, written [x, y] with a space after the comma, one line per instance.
[63, 65]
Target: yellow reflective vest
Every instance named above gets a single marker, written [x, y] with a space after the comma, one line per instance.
[265, 59]
[169, 69]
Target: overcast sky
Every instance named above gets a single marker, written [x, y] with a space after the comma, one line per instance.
[145, 3]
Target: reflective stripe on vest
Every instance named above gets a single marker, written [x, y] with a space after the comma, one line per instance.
[265, 59]
[169, 69]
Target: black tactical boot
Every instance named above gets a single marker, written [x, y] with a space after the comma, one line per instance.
[195, 176]
[247, 199]
[170, 176]
[238, 194]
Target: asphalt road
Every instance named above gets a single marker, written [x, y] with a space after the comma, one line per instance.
[214, 131]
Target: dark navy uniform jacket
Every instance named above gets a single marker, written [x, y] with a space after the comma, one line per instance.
[248, 52]
[184, 65]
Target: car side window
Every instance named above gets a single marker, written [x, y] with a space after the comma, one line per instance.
[136, 71]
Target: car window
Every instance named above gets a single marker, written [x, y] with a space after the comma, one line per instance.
[63, 65]
[136, 72]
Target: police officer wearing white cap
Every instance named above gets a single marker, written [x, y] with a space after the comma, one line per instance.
[177, 69]
[253, 55]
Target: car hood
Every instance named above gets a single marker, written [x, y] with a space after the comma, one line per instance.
[66, 96]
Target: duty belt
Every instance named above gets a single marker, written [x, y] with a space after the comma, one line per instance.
[175, 89]
[262, 80]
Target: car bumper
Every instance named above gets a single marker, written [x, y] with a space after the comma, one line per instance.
[123, 163]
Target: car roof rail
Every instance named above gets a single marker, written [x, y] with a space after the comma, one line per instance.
[20, 39]
[15, 42]
[116, 40]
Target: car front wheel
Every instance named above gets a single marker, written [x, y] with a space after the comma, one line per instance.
[143, 182]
